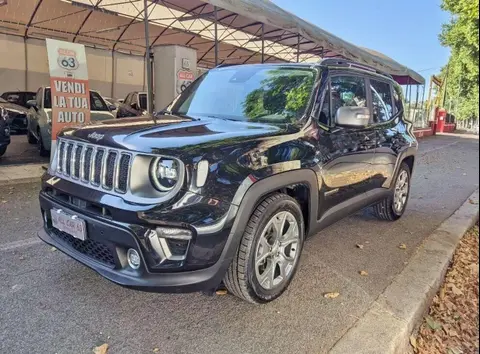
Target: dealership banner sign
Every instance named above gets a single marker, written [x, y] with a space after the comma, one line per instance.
[69, 85]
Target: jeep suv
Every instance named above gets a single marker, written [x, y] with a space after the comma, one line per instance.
[228, 181]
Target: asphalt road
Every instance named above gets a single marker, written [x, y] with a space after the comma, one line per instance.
[21, 152]
[52, 304]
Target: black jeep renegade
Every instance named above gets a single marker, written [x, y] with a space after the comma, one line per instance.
[229, 180]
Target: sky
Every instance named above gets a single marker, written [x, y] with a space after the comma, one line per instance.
[405, 30]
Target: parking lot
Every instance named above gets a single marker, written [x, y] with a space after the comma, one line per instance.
[21, 152]
[52, 304]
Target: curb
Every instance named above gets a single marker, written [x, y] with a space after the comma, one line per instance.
[387, 325]
[18, 174]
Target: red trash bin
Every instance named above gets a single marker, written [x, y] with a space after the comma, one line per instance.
[441, 118]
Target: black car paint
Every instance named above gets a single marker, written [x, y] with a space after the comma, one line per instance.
[17, 116]
[342, 169]
[4, 135]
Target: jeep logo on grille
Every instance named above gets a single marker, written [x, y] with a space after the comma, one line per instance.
[96, 136]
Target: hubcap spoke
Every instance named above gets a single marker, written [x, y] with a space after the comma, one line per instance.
[401, 191]
[276, 252]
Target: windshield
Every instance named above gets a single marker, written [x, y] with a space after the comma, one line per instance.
[249, 93]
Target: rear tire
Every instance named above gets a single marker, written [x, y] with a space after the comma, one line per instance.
[393, 207]
[269, 252]
[3, 150]
[41, 148]
[31, 138]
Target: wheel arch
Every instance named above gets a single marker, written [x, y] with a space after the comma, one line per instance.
[301, 184]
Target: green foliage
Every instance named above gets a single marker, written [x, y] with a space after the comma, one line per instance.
[461, 35]
[284, 95]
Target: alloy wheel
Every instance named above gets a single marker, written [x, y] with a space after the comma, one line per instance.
[277, 250]
[401, 192]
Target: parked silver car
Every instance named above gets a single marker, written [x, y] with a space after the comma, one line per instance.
[40, 117]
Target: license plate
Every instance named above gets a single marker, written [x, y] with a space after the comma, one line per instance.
[70, 224]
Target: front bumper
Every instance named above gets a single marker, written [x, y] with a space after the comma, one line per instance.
[108, 241]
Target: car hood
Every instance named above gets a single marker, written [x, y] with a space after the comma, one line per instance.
[172, 134]
[12, 107]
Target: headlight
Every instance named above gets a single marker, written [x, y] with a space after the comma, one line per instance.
[165, 173]
[3, 113]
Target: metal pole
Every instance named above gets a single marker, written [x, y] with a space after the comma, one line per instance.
[147, 61]
[424, 115]
[263, 43]
[298, 49]
[216, 35]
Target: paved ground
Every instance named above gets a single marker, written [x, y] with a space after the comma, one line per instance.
[21, 152]
[51, 304]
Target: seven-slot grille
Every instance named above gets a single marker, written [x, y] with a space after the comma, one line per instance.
[96, 165]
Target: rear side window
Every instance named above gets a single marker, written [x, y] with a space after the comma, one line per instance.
[143, 101]
[47, 101]
[382, 101]
[97, 103]
[347, 91]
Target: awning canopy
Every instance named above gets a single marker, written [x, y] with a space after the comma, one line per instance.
[241, 25]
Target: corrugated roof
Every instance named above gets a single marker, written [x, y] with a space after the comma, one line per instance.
[118, 25]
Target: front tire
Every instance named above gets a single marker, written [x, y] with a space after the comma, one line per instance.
[31, 138]
[269, 252]
[393, 207]
[41, 148]
[3, 150]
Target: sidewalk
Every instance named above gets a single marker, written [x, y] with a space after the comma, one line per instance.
[21, 174]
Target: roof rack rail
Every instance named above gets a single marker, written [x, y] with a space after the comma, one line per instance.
[225, 65]
[345, 63]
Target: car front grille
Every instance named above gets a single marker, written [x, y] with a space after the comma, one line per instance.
[95, 165]
[91, 248]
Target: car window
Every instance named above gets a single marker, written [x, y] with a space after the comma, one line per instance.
[29, 96]
[382, 102]
[13, 98]
[47, 100]
[142, 97]
[347, 91]
[249, 93]
[97, 103]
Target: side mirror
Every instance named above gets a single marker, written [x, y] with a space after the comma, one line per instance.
[134, 106]
[32, 104]
[356, 117]
[112, 107]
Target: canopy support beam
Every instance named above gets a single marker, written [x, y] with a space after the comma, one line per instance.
[148, 61]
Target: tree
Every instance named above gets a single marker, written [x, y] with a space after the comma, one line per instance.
[284, 94]
[461, 36]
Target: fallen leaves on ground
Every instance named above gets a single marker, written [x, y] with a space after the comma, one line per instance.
[53, 249]
[102, 349]
[402, 246]
[363, 273]
[333, 295]
[221, 292]
[360, 246]
[452, 323]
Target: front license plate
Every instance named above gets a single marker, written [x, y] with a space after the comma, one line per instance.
[70, 224]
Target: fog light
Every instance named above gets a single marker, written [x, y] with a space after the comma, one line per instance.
[133, 258]
[169, 243]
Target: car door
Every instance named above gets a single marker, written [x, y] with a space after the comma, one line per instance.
[345, 154]
[391, 132]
